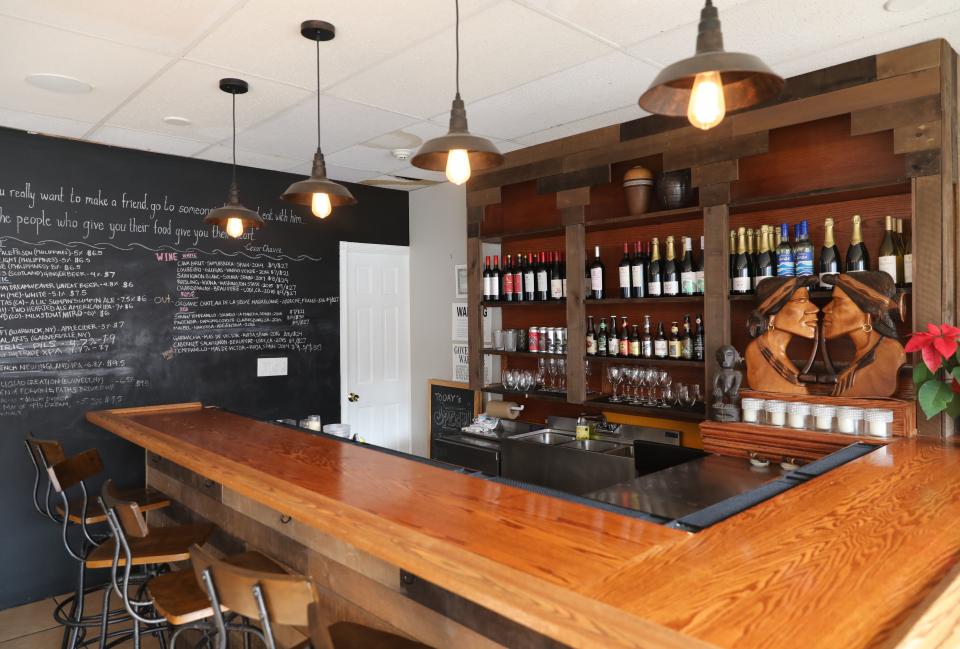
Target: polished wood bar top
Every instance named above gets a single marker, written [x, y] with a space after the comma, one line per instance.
[846, 560]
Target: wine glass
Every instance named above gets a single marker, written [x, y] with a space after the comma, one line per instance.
[525, 381]
[614, 376]
[541, 372]
[695, 393]
[650, 382]
[562, 374]
[552, 370]
[664, 380]
[587, 370]
[686, 396]
[667, 397]
[633, 376]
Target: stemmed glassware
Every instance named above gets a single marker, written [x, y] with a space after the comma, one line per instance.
[562, 374]
[663, 379]
[650, 382]
[587, 369]
[614, 375]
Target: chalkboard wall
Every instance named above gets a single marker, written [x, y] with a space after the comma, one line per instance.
[113, 293]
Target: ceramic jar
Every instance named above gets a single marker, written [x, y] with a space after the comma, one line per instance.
[638, 186]
[675, 189]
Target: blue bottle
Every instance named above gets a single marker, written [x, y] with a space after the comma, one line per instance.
[803, 251]
[786, 266]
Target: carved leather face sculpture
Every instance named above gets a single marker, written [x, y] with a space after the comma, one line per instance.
[841, 316]
[798, 316]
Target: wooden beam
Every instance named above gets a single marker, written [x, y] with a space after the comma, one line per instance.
[573, 198]
[599, 175]
[483, 197]
[928, 267]
[890, 116]
[737, 147]
[715, 172]
[718, 194]
[909, 59]
[475, 311]
[576, 250]
[917, 137]
[922, 163]
[716, 300]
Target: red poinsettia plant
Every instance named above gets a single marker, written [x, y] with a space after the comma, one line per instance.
[937, 378]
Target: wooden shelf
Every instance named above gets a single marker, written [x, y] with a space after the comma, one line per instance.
[817, 196]
[503, 352]
[649, 218]
[523, 234]
[646, 300]
[652, 362]
[532, 394]
[815, 295]
[694, 414]
[524, 303]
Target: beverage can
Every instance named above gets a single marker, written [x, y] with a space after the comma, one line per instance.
[542, 339]
[533, 340]
[551, 347]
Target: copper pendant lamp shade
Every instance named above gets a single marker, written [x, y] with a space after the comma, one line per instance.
[747, 81]
[302, 192]
[233, 218]
[480, 152]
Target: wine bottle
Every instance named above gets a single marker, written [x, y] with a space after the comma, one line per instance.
[698, 342]
[487, 274]
[624, 272]
[654, 271]
[602, 338]
[752, 256]
[495, 279]
[901, 252]
[646, 342]
[688, 269]
[563, 275]
[742, 273]
[829, 255]
[660, 343]
[765, 262]
[675, 347]
[803, 252]
[732, 255]
[785, 261]
[543, 278]
[635, 342]
[700, 275]
[556, 279]
[887, 257]
[624, 338]
[686, 341]
[613, 339]
[591, 337]
[506, 280]
[638, 273]
[858, 259]
[907, 257]
[518, 279]
[530, 279]
[670, 272]
[596, 275]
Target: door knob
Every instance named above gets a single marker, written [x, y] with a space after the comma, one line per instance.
[353, 397]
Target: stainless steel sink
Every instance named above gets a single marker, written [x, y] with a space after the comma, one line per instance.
[594, 445]
[554, 458]
[545, 436]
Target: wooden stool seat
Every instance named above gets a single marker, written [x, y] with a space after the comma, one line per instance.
[163, 545]
[180, 598]
[148, 499]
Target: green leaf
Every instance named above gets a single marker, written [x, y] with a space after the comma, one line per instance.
[934, 397]
[955, 373]
[953, 408]
[921, 374]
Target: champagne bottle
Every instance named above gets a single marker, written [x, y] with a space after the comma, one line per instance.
[686, 341]
[765, 260]
[624, 271]
[671, 274]
[752, 256]
[803, 252]
[487, 274]
[624, 338]
[660, 343]
[829, 255]
[591, 337]
[698, 341]
[638, 273]
[654, 271]
[602, 338]
[907, 256]
[646, 342]
[858, 259]
[742, 272]
[596, 275]
[613, 339]
[701, 276]
[688, 270]
[732, 255]
[785, 261]
[635, 342]
[675, 345]
[887, 257]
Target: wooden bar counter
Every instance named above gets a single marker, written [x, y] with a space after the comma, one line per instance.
[865, 556]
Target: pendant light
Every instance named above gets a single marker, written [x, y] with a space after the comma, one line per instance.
[233, 218]
[317, 191]
[711, 82]
[458, 153]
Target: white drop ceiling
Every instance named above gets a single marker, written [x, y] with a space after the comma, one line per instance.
[532, 70]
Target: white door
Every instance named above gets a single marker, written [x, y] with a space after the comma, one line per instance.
[375, 342]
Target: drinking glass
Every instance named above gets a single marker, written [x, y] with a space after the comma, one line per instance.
[562, 374]
[686, 396]
[511, 340]
[541, 372]
[552, 369]
[525, 381]
[664, 380]
[696, 394]
[667, 397]
[632, 374]
[498, 339]
[614, 376]
[650, 382]
[587, 370]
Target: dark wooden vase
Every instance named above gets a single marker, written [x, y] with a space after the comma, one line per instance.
[675, 189]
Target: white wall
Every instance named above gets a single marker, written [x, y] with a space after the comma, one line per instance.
[438, 242]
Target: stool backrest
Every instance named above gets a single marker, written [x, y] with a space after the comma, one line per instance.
[74, 470]
[128, 512]
[43, 454]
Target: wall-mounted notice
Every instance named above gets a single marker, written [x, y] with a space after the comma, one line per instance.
[461, 362]
[460, 321]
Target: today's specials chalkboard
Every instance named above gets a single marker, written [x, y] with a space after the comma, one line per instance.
[452, 406]
[114, 293]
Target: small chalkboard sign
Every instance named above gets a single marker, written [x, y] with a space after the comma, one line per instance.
[453, 405]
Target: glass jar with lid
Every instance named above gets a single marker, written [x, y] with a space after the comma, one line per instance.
[797, 414]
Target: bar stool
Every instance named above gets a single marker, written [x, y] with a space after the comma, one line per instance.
[291, 600]
[133, 543]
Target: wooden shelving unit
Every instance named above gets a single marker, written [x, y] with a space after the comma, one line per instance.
[649, 362]
[683, 414]
[535, 394]
[648, 218]
[675, 299]
[503, 352]
[527, 303]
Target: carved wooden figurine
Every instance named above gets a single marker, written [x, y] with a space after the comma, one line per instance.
[784, 310]
[726, 385]
[861, 309]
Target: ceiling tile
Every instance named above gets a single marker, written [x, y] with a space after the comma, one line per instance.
[133, 139]
[365, 157]
[263, 37]
[624, 22]
[293, 133]
[113, 70]
[166, 27]
[501, 47]
[416, 172]
[618, 116]
[191, 90]
[43, 123]
[246, 158]
[603, 84]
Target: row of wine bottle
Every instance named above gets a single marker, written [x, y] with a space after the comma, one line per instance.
[768, 252]
[608, 341]
[531, 277]
[645, 274]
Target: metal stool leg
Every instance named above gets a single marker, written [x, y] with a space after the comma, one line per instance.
[76, 610]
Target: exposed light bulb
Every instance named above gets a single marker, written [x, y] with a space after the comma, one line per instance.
[234, 227]
[458, 166]
[707, 106]
[320, 205]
